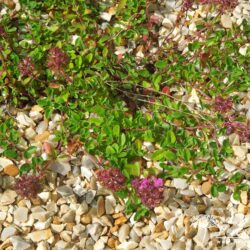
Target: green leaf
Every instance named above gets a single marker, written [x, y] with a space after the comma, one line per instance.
[29, 152]
[214, 190]
[161, 64]
[116, 130]
[25, 168]
[141, 213]
[10, 153]
[162, 154]
[133, 169]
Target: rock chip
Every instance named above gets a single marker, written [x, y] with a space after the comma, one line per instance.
[21, 214]
[11, 170]
[24, 120]
[42, 137]
[206, 187]
[86, 172]
[123, 232]
[100, 206]
[8, 232]
[61, 167]
[65, 191]
[19, 243]
[179, 183]
[226, 21]
[40, 235]
[127, 245]
[4, 162]
[8, 197]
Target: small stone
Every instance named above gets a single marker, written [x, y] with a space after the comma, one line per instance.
[99, 245]
[229, 167]
[61, 167]
[69, 217]
[42, 137]
[202, 237]
[86, 219]
[19, 243]
[206, 187]
[226, 21]
[8, 232]
[242, 209]
[159, 227]
[11, 170]
[44, 196]
[100, 206]
[42, 127]
[87, 173]
[90, 196]
[106, 16]
[3, 216]
[95, 231]
[40, 235]
[179, 183]
[191, 232]
[4, 162]
[21, 214]
[120, 220]
[78, 229]
[42, 225]
[42, 246]
[123, 232]
[127, 245]
[87, 162]
[240, 151]
[24, 120]
[112, 242]
[79, 190]
[110, 204]
[244, 197]
[65, 191]
[8, 197]
[57, 228]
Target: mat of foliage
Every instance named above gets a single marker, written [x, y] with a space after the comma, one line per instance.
[61, 55]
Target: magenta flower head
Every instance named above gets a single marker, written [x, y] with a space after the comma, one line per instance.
[57, 60]
[242, 129]
[28, 186]
[111, 178]
[222, 105]
[149, 190]
[26, 67]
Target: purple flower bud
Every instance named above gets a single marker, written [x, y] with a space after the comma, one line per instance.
[57, 60]
[26, 67]
[28, 186]
[222, 105]
[111, 178]
[149, 190]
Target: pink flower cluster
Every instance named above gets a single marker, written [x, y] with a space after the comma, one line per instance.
[222, 105]
[149, 190]
[57, 60]
[111, 178]
[26, 67]
[242, 129]
[28, 185]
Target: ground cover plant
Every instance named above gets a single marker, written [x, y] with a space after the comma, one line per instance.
[65, 58]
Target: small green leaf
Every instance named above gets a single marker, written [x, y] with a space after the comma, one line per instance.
[29, 152]
[133, 169]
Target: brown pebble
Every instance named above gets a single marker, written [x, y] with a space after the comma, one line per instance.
[42, 137]
[206, 187]
[114, 229]
[112, 242]
[86, 219]
[56, 220]
[120, 220]
[11, 170]
[115, 216]
[69, 226]
[159, 227]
